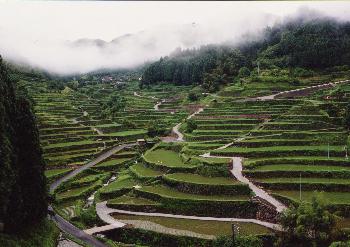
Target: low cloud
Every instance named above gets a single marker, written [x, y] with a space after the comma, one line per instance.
[83, 55]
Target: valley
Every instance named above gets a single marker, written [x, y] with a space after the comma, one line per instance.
[105, 171]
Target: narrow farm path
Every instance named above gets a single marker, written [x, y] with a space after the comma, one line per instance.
[98, 131]
[237, 173]
[100, 158]
[151, 226]
[156, 106]
[85, 114]
[299, 91]
[103, 211]
[237, 167]
[65, 225]
[176, 128]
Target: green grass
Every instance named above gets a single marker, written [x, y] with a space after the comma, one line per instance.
[123, 181]
[214, 161]
[305, 180]
[66, 144]
[285, 148]
[143, 171]
[56, 172]
[167, 192]
[295, 159]
[330, 197]
[165, 157]
[76, 192]
[112, 162]
[198, 179]
[128, 133]
[88, 179]
[128, 200]
[293, 167]
[215, 228]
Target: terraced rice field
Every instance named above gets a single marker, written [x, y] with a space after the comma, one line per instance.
[285, 144]
[210, 228]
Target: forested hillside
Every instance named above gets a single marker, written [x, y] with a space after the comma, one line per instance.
[23, 194]
[316, 44]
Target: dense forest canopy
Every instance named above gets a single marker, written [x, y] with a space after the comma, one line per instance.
[313, 44]
[23, 192]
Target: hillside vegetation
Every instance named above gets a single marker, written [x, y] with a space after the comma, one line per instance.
[23, 197]
[304, 47]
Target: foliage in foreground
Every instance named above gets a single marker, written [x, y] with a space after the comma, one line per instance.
[309, 224]
[44, 234]
[23, 194]
[240, 241]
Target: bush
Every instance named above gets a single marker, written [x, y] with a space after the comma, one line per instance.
[191, 125]
[243, 72]
[151, 238]
[311, 224]
[155, 128]
[340, 244]
[192, 96]
[240, 241]
[89, 217]
[346, 119]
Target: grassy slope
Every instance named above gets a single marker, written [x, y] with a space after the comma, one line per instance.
[165, 157]
[203, 227]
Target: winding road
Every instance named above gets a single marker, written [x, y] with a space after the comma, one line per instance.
[65, 225]
[104, 212]
[100, 158]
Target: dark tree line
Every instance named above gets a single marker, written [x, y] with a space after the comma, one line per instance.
[184, 68]
[315, 44]
[23, 192]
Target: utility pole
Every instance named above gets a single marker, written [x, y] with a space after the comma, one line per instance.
[328, 150]
[346, 152]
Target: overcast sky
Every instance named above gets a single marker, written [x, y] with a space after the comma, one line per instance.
[35, 31]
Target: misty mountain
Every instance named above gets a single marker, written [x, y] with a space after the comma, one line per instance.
[311, 44]
[88, 42]
[85, 42]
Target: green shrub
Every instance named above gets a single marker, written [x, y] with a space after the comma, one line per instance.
[240, 241]
[190, 125]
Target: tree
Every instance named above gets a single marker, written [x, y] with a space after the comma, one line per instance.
[346, 119]
[309, 224]
[240, 241]
[190, 126]
[155, 128]
[243, 72]
[114, 105]
[23, 194]
[55, 85]
[192, 96]
[340, 244]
